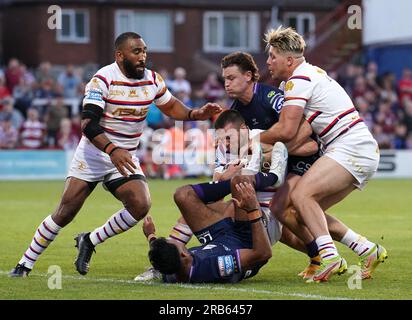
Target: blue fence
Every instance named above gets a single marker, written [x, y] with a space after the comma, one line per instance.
[29, 165]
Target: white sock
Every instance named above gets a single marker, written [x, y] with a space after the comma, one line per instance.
[326, 247]
[357, 243]
[119, 222]
[45, 234]
[181, 232]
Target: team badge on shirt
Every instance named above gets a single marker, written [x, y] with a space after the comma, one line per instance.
[289, 86]
[226, 265]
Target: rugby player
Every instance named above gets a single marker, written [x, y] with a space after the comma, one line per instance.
[115, 106]
[235, 243]
[350, 153]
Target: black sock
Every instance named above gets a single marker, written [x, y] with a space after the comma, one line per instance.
[312, 249]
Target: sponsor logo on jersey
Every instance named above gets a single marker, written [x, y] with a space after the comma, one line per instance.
[145, 92]
[226, 265]
[95, 94]
[277, 101]
[133, 94]
[271, 94]
[114, 92]
[131, 112]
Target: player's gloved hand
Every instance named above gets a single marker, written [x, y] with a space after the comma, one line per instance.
[206, 112]
[247, 197]
[122, 159]
[148, 226]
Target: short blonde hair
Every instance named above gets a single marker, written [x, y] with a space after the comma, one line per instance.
[285, 40]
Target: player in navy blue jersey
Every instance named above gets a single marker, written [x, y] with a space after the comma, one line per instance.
[235, 243]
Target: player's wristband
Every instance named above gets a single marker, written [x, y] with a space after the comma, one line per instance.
[253, 215]
[115, 148]
[256, 220]
[108, 148]
[189, 115]
[151, 237]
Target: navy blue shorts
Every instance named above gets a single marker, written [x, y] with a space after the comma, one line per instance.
[299, 165]
[233, 234]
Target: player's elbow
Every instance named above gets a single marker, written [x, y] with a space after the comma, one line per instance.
[263, 255]
[287, 134]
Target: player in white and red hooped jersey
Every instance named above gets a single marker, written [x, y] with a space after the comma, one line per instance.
[115, 106]
[351, 154]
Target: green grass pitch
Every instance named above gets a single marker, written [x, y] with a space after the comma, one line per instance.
[381, 212]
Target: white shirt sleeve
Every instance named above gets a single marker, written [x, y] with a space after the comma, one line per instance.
[298, 91]
[163, 94]
[96, 91]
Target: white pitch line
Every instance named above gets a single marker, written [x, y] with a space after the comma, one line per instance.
[192, 286]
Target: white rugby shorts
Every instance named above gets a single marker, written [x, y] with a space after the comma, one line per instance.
[90, 164]
[273, 226]
[358, 152]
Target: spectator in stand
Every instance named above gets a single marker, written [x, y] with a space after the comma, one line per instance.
[70, 82]
[9, 112]
[4, 92]
[76, 127]
[387, 89]
[13, 74]
[179, 83]
[26, 75]
[8, 134]
[360, 87]
[347, 79]
[405, 85]
[399, 140]
[23, 94]
[44, 73]
[386, 118]
[212, 88]
[383, 139]
[56, 112]
[67, 139]
[33, 131]
[46, 90]
[364, 112]
[372, 75]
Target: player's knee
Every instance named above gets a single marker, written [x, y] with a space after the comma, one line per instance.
[66, 212]
[183, 194]
[138, 205]
[297, 197]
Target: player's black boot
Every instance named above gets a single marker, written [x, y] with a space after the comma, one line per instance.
[86, 248]
[20, 271]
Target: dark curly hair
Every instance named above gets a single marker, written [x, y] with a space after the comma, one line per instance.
[164, 256]
[244, 61]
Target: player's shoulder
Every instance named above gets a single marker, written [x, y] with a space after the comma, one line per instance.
[307, 74]
[107, 73]
[267, 90]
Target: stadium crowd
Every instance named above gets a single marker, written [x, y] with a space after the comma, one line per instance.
[39, 109]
